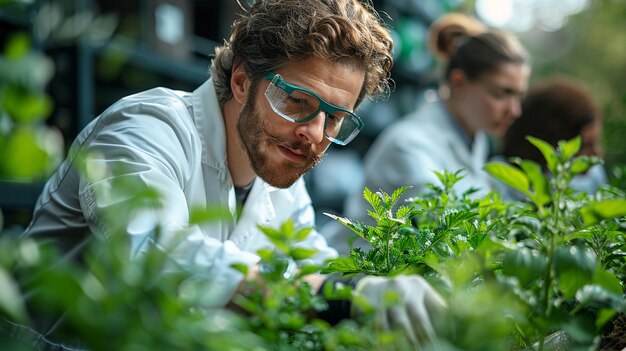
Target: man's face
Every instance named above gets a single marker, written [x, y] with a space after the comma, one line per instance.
[281, 151]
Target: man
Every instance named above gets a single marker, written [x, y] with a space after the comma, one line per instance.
[283, 87]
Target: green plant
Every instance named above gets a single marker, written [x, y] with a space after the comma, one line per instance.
[575, 243]
[414, 238]
[24, 106]
[283, 307]
[111, 300]
[553, 262]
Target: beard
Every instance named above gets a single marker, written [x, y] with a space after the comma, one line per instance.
[258, 141]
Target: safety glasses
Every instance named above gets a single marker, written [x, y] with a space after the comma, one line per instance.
[298, 105]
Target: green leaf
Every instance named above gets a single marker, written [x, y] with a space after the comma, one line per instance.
[398, 192]
[540, 186]
[240, 267]
[449, 179]
[17, 46]
[276, 237]
[570, 281]
[454, 218]
[574, 267]
[53, 297]
[300, 253]
[271, 232]
[524, 264]
[569, 148]
[404, 211]
[24, 106]
[508, 175]
[608, 281]
[604, 316]
[303, 233]
[288, 230]
[441, 177]
[598, 211]
[373, 199]
[581, 164]
[342, 265]
[200, 215]
[548, 152]
[23, 144]
[308, 269]
[265, 254]
[356, 227]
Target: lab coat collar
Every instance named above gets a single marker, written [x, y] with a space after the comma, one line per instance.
[210, 124]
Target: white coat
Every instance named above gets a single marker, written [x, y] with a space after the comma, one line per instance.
[174, 142]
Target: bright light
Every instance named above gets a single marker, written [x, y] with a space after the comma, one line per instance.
[523, 19]
[523, 15]
[550, 20]
[497, 13]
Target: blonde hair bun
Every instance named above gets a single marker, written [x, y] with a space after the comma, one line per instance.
[445, 32]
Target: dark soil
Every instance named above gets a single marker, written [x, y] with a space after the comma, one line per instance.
[614, 335]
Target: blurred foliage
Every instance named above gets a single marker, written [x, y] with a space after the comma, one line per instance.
[29, 149]
[592, 49]
[106, 299]
[514, 273]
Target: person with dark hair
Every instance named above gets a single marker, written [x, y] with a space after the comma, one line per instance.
[486, 74]
[283, 87]
[558, 108]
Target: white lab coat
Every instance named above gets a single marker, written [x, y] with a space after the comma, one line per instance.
[174, 142]
[406, 154]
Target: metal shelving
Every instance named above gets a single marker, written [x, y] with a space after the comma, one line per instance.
[78, 88]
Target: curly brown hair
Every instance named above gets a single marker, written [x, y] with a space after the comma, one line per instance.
[272, 33]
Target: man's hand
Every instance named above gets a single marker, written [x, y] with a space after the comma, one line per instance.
[416, 311]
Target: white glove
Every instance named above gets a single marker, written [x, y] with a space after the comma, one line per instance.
[418, 308]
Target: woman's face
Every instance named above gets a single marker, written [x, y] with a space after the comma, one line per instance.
[493, 101]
